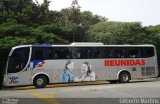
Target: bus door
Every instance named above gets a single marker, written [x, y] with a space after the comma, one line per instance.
[17, 72]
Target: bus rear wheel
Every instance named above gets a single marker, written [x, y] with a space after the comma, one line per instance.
[40, 81]
[124, 77]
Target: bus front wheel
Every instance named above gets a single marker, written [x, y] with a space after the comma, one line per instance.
[40, 81]
[124, 77]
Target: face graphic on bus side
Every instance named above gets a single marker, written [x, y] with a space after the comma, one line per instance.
[70, 66]
[84, 68]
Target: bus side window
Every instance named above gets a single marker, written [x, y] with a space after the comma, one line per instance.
[119, 52]
[98, 52]
[134, 52]
[149, 52]
[87, 53]
[37, 53]
[76, 53]
[67, 53]
[82, 52]
[47, 53]
[41, 53]
[61, 53]
[108, 53]
[55, 56]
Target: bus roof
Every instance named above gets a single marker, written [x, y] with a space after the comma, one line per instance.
[85, 45]
[80, 43]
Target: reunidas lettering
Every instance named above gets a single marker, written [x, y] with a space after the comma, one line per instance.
[124, 62]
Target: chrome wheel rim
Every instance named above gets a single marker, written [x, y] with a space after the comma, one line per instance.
[40, 81]
[125, 77]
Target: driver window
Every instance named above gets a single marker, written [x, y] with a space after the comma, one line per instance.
[18, 60]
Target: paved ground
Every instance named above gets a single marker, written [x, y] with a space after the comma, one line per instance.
[90, 94]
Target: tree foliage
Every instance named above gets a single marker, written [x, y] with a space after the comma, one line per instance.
[27, 22]
[154, 37]
[77, 22]
[116, 33]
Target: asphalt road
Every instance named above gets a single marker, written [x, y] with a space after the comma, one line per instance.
[86, 94]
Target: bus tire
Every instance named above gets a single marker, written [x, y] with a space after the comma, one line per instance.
[124, 77]
[40, 81]
[113, 81]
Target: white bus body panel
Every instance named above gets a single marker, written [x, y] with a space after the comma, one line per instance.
[55, 68]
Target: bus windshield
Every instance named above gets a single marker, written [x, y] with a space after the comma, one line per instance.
[18, 60]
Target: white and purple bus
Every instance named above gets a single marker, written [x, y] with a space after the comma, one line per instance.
[40, 65]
